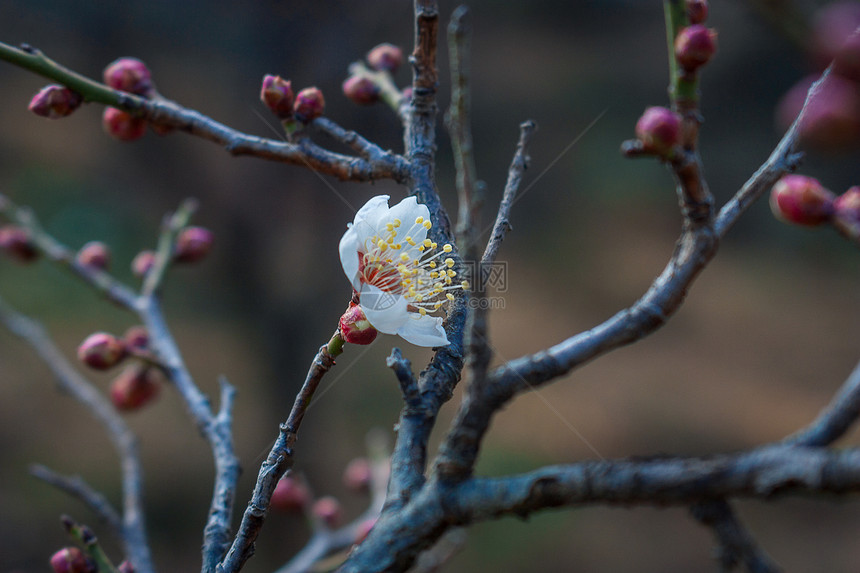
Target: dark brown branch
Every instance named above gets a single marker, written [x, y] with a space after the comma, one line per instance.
[736, 544]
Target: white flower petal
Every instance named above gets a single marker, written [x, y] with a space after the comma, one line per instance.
[370, 214]
[424, 331]
[349, 255]
[385, 311]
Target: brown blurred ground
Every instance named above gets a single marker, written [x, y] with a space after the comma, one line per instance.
[768, 333]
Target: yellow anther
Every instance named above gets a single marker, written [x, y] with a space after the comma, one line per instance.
[464, 284]
[449, 296]
[427, 225]
[389, 240]
[396, 246]
[434, 275]
[415, 261]
[428, 243]
[404, 257]
[447, 248]
[422, 311]
[449, 262]
[389, 226]
[432, 264]
[452, 273]
[437, 306]
[396, 222]
[382, 245]
[410, 241]
[421, 248]
[419, 220]
[434, 245]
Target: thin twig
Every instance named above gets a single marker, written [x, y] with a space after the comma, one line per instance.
[77, 487]
[735, 542]
[402, 368]
[836, 419]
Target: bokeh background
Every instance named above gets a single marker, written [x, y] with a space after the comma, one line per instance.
[769, 332]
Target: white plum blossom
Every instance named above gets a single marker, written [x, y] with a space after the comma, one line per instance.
[401, 277]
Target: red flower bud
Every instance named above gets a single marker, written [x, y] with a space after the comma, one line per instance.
[17, 244]
[277, 95]
[129, 75]
[846, 214]
[329, 510]
[290, 495]
[94, 254]
[125, 567]
[801, 200]
[361, 90]
[192, 244]
[659, 130]
[354, 326]
[135, 387]
[55, 102]
[697, 11]
[694, 46]
[357, 475]
[364, 530]
[309, 105]
[387, 57]
[101, 351]
[71, 560]
[142, 263]
[122, 125]
[136, 337]
[832, 117]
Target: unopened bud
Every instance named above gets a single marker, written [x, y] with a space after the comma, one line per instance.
[361, 90]
[329, 510]
[55, 101]
[142, 263]
[192, 244]
[122, 125]
[129, 75]
[290, 495]
[136, 337]
[363, 530]
[71, 560]
[832, 27]
[801, 200]
[94, 254]
[125, 567]
[659, 130]
[694, 46]
[846, 214]
[309, 105]
[697, 11]
[277, 95]
[15, 241]
[135, 387]
[101, 351]
[354, 326]
[357, 475]
[387, 57]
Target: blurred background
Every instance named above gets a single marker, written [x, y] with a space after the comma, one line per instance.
[769, 331]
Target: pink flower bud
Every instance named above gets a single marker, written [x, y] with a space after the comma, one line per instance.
[136, 337]
[697, 11]
[15, 241]
[71, 560]
[357, 475]
[290, 495]
[846, 214]
[94, 254]
[142, 263]
[832, 26]
[125, 567]
[129, 75]
[847, 60]
[361, 90]
[329, 510]
[364, 530]
[659, 130]
[354, 326]
[694, 46]
[55, 102]
[309, 105]
[277, 95]
[101, 351]
[801, 200]
[832, 117]
[387, 57]
[192, 244]
[135, 387]
[122, 125]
